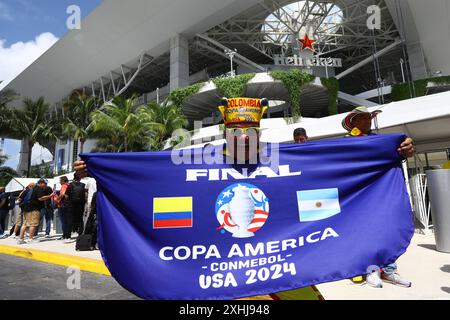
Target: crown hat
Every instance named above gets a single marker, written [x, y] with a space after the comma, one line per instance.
[347, 122]
[238, 111]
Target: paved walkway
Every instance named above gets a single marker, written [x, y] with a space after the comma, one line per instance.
[22, 279]
[55, 246]
[428, 269]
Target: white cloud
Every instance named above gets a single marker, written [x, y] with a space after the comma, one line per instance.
[5, 14]
[17, 57]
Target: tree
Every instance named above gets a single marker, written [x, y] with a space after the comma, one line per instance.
[3, 159]
[79, 118]
[34, 124]
[118, 124]
[161, 121]
[6, 97]
[6, 173]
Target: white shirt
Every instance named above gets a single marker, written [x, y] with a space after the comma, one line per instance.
[91, 186]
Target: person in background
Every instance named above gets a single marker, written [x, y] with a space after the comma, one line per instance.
[44, 194]
[91, 186]
[358, 123]
[77, 199]
[4, 209]
[64, 210]
[300, 135]
[31, 215]
[19, 218]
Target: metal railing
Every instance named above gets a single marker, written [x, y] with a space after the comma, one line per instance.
[421, 202]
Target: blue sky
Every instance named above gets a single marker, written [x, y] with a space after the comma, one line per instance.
[24, 20]
[27, 29]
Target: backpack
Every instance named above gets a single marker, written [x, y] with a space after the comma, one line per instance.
[84, 243]
[88, 240]
[76, 192]
[28, 195]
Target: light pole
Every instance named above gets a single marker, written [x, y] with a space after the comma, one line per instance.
[231, 54]
[403, 72]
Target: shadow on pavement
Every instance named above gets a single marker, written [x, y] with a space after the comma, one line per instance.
[428, 246]
[446, 268]
[445, 289]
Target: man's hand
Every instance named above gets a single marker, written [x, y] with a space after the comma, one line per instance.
[406, 148]
[80, 168]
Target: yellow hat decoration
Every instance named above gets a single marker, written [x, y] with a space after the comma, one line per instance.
[237, 111]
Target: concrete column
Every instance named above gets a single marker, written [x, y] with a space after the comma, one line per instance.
[179, 62]
[408, 30]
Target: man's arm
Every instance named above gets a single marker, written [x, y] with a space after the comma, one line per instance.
[49, 195]
[45, 198]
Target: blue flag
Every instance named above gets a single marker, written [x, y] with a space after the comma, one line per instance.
[327, 211]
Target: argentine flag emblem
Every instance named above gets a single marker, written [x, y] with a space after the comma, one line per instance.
[315, 205]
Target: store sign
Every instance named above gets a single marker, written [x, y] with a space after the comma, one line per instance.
[304, 56]
[302, 62]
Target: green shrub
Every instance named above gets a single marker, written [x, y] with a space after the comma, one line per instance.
[179, 96]
[332, 85]
[293, 80]
[233, 87]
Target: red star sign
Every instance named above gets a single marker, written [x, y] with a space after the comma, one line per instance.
[307, 43]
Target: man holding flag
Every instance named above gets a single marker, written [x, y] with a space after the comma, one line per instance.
[242, 118]
[358, 123]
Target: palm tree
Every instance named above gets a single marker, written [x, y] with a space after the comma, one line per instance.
[79, 118]
[3, 159]
[119, 123]
[161, 121]
[6, 96]
[33, 124]
[6, 173]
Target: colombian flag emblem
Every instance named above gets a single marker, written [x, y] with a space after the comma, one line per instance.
[172, 213]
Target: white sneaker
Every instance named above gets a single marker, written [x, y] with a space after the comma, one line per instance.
[67, 241]
[47, 236]
[34, 240]
[21, 241]
[373, 280]
[396, 279]
[3, 236]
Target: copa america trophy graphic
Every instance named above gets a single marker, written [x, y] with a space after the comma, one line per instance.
[241, 209]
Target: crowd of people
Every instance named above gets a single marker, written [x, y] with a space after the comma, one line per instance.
[38, 202]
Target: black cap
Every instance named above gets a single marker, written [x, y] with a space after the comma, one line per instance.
[300, 132]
